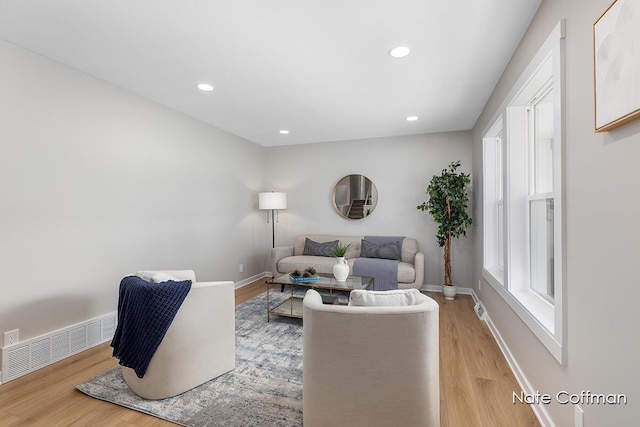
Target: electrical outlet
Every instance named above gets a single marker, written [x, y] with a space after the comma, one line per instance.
[241, 268]
[479, 285]
[578, 416]
[11, 337]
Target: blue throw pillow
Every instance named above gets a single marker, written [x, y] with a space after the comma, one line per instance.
[318, 249]
[389, 251]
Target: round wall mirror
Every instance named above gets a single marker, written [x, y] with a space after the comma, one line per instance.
[355, 197]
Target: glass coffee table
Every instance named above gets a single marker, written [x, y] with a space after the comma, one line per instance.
[292, 306]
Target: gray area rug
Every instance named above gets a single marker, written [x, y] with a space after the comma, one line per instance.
[265, 388]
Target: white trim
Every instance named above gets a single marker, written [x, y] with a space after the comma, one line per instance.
[249, 280]
[438, 288]
[558, 33]
[560, 300]
[539, 410]
[538, 329]
[493, 207]
[494, 276]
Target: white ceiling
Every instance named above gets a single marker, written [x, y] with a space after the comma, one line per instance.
[318, 68]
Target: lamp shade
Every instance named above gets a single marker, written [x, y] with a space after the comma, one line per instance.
[272, 200]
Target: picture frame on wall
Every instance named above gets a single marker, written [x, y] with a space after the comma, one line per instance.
[616, 60]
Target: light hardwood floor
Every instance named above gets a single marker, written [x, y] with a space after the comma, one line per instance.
[476, 384]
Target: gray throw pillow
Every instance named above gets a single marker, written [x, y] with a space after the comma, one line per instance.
[389, 251]
[318, 249]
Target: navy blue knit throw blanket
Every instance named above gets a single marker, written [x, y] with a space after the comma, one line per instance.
[145, 311]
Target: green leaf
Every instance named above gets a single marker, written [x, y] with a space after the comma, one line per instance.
[448, 202]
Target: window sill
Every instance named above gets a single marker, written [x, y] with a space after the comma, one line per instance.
[494, 275]
[540, 309]
[536, 313]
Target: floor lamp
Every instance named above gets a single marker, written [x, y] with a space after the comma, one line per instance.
[272, 201]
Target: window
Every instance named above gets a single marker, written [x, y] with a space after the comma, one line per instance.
[494, 206]
[540, 194]
[522, 198]
[499, 204]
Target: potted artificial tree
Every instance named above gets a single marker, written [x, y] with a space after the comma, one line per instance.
[448, 206]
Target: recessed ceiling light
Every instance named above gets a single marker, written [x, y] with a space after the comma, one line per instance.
[412, 118]
[205, 87]
[400, 52]
[284, 132]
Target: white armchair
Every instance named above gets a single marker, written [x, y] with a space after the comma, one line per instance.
[371, 366]
[198, 346]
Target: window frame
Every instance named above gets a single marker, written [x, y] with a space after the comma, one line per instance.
[533, 191]
[493, 152]
[545, 318]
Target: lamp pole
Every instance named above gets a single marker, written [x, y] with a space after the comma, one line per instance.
[273, 229]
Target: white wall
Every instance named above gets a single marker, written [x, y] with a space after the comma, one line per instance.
[400, 167]
[602, 229]
[96, 182]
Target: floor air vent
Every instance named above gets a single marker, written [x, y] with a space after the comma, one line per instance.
[480, 311]
[30, 355]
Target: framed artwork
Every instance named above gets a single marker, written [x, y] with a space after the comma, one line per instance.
[616, 60]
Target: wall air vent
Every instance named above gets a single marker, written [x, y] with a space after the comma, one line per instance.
[27, 356]
[18, 362]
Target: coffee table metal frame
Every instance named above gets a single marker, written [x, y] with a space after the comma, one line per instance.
[292, 306]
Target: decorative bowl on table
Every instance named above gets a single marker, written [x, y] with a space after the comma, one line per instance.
[308, 275]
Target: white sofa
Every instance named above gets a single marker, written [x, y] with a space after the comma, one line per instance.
[371, 366]
[285, 259]
[198, 346]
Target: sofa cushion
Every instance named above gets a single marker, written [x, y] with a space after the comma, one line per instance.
[409, 249]
[354, 250]
[406, 273]
[318, 249]
[388, 251]
[396, 297]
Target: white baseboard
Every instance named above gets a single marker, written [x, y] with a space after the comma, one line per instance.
[252, 279]
[539, 409]
[438, 288]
